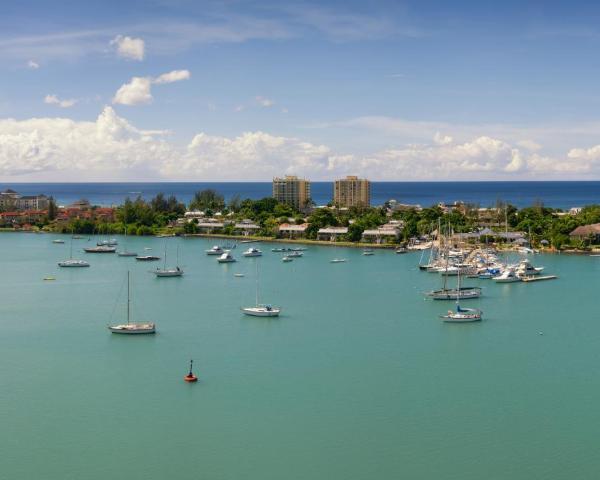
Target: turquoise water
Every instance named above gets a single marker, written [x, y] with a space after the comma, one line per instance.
[357, 379]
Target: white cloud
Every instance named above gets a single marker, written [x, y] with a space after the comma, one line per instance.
[264, 102]
[173, 76]
[110, 148]
[136, 92]
[54, 100]
[33, 65]
[60, 148]
[440, 139]
[139, 91]
[129, 48]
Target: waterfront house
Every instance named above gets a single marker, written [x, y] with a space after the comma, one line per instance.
[292, 231]
[388, 233]
[22, 217]
[246, 227]
[587, 233]
[331, 233]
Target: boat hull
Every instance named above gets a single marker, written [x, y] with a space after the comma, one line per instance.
[133, 329]
[73, 264]
[261, 311]
[169, 273]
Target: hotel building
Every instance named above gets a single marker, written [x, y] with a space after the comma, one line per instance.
[352, 192]
[292, 190]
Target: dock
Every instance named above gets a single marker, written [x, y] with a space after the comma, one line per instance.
[535, 278]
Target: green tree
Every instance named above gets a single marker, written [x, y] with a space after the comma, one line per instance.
[207, 199]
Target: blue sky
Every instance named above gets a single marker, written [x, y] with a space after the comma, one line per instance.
[413, 90]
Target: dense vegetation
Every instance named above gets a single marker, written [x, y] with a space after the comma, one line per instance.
[140, 217]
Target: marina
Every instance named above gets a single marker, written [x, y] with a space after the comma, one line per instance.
[395, 349]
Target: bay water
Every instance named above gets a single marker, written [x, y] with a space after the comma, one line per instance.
[357, 379]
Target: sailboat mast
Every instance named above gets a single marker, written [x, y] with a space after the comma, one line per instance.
[257, 282]
[165, 262]
[128, 297]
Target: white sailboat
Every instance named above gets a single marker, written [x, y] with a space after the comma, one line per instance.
[169, 272]
[125, 252]
[261, 310]
[131, 328]
[462, 315]
[337, 259]
[72, 262]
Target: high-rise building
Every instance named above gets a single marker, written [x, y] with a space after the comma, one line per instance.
[292, 190]
[352, 192]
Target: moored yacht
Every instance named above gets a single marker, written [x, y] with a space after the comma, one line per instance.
[252, 252]
[507, 276]
[226, 257]
[215, 250]
[132, 328]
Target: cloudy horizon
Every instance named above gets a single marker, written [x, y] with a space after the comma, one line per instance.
[244, 91]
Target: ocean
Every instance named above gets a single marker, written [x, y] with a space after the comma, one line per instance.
[357, 379]
[521, 194]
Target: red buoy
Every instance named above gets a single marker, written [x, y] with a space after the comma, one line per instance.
[190, 377]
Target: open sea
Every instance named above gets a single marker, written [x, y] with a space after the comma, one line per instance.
[521, 194]
[358, 379]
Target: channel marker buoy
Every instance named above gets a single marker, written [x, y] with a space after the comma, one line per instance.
[190, 377]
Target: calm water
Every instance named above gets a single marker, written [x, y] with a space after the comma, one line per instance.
[358, 379]
[556, 194]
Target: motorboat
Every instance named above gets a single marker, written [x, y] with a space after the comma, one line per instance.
[252, 252]
[226, 258]
[58, 240]
[338, 260]
[287, 258]
[215, 250]
[526, 269]
[507, 276]
[368, 252]
[295, 254]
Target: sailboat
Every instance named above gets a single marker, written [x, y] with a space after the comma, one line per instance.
[169, 272]
[125, 252]
[131, 328]
[71, 262]
[446, 293]
[461, 315]
[337, 259]
[261, 310]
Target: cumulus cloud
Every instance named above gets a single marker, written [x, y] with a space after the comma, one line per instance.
[139, 89]
[173, 76]
[54, 100]
[111, 148]
[440, 139]
[33, 65]
[129, 48]
[136, 92]
[56, 148]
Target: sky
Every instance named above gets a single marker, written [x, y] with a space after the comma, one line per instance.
[193, 90]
